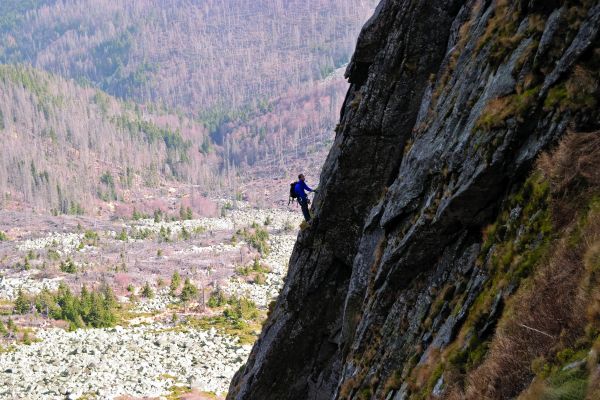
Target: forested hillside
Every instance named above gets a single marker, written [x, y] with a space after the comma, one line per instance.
[64, 146]
[245, 89]
[206, 56]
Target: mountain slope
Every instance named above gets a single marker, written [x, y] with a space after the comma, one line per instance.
[72, 135]
[200, 56]
[65, 147]
[394, 291]
[260, 76]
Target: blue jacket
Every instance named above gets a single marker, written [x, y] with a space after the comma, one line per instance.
[300, 189]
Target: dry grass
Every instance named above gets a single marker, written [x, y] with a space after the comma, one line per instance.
[537, 325]
[574, 174]
[499, 110]
[552, 310]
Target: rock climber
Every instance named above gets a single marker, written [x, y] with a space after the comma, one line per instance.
[300, 189]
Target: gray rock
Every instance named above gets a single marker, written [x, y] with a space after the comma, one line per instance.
[426, 178]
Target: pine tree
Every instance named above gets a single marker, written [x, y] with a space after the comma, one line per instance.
[136, 214]
[45, 304]
[22, 303]
[189, 291]
[85, 303]
[185, 234]
[110, 300]
[12, 327]
[68, 267]
[123, 235]
[3, 330]
[147, 291]
[175, 282]
[69, 305]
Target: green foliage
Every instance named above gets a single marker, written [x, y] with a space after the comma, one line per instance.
[109, 183]
[128, 177]
[136, 215]
[240, 318]
[53, 255]
[30, 79]
[175, 282]
[554, 382]
[68, 267]
[22, 303]
[226, 207]
[65, 205]
[12, 12]
[140, 234]
[26, 266]
[189, 291]
[217, 299]
[164, 234]
[499, 110]
[158, 216]
[153, 133]
[97, 308]
[241, 309]
[325, 71]
[257, 237]
[12, 327]
[572, 95]
[199, 230]
[470, 356]
[110, 57]
[522, 237]
[3, 330]
[75, 209]
[177, 147]
[513, 247]
[185, 213]
[107, 179]
[147, 291]
[184, 234]
[288, 226]
[260, 278]
[255, 268]
[177, 392]
[40, 178]
[26, 339]
[102, 100]
[91, 238]
[123, 235]
[206, 147]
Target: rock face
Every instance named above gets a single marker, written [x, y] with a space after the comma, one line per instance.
[449, 105]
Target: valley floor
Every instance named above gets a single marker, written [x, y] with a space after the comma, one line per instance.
[162, 346]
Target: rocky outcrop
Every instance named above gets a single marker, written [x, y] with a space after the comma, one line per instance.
[450, 103]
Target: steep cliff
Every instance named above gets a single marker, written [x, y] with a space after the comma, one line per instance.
[431, 216]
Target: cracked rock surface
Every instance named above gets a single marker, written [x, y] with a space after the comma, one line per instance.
[443, 117]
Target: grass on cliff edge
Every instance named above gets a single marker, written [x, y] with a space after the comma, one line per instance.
[545, 262]
[553, 319]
